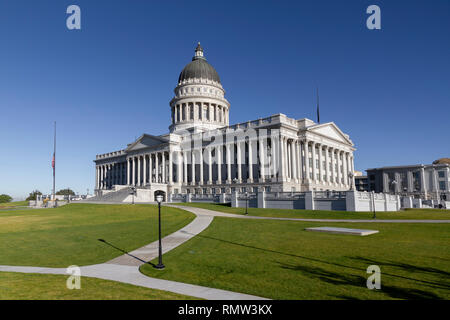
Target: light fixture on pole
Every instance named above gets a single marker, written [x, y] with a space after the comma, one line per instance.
[159, 199]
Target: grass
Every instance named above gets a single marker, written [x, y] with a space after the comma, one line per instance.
[422, 214]
[68, 235]
[19, 286]
[280, 260]
[13, 205]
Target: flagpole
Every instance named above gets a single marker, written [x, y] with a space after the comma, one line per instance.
[318, 108]
[54, 163]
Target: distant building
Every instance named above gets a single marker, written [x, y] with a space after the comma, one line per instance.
[426, 181]
[361, 183]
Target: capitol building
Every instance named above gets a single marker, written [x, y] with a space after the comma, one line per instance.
[203, 154]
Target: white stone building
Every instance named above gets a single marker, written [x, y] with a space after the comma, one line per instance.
[203, 153]
[430, 181]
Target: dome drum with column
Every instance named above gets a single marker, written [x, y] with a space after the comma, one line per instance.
[199, 101]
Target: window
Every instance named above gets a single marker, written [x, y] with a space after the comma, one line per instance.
[441, 174]
[204, 191]
[223, 190]
[441, 185]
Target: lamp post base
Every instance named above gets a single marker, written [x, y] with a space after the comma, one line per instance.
[159, 266]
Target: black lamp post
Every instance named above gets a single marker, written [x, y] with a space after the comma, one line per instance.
[160, 265]
[246, 203]
[132, 191]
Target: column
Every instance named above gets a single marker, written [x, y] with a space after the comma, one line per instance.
[179, 166]
[210, 164]
[170, 167]
[332, 166]
[134, 171]
[307, 169]
[185, 168]
[144, 163]
[219, 164]
[97, 177]
[150, 167]
[200, 158]
[275, 154]
[409, 179]
[385, 182]
[314, 168]
[156, 167]
[327, 166]
[298, 152]
[288, 160]
[139, 170]
[250, 160]
[192, 167]
[339, 162]
[294, 160]
[320, 171]
[239, 161]
[228, 147]
[128, 171]
[163, 167]
[261, 158]
[346, 171]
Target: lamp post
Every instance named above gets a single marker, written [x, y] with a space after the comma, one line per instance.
[246, 203]
[160, 265]
[132, 191]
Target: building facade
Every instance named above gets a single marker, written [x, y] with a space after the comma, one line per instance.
[421, 181]
[203, 153]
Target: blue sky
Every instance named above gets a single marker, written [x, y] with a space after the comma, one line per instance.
[112, 80]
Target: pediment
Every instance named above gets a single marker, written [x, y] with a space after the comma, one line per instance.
[330, 130]
[145, 141]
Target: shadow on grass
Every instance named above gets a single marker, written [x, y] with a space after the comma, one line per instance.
[342, 279]
[407, 267]
[429, 283]
[125, 252]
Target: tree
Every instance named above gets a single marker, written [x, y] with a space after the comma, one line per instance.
[5, 198]
[65, 192]
[33, 195]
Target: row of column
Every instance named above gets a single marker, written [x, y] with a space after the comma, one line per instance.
[110, 174]
[154, 167]
[271, 158]
[193, 111]
[397, 183]
[310, 161]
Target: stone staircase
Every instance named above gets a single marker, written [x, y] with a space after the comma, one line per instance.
[115, 196]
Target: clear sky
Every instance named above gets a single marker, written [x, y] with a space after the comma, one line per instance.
[111, 81]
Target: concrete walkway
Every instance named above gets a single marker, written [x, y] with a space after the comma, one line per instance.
[125, 268]
[206, 212]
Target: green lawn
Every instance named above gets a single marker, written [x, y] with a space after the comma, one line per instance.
[280, 260]
[439, 214]
[13, 205]
[68, 235]
[19, 286]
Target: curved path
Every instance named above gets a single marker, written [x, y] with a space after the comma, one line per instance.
[125, 268]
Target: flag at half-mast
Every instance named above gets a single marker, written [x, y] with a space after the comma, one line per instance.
[53, 161]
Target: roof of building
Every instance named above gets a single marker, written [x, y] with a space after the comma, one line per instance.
[199, 68]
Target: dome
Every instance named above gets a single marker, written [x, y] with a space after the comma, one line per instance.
[199, 68]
